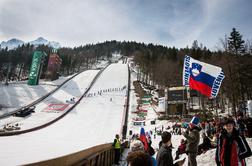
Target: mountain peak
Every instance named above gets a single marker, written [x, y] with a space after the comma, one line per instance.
[14, 40]
[11, 44]
[39, 41]
[14, 43]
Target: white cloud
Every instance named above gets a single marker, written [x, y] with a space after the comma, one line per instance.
[77, 22]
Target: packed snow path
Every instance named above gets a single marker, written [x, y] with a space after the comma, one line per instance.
[95, 120]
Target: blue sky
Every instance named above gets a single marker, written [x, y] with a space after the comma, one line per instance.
[167, 22]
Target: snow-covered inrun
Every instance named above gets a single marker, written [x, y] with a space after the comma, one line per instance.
[95, 120]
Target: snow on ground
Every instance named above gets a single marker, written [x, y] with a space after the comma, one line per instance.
[95, 120]
[18, 94]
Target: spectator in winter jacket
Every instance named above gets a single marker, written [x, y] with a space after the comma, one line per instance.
[206, 145]
[164, 156]
[232, 148]
[249, 126]
[137, 145]
[181, 148]
[192, 138]
[214, 140]
[137, 158]
[241, 124]
[117, 149]
[150, 149]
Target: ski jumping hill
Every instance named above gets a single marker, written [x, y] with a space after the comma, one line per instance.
[94, 120]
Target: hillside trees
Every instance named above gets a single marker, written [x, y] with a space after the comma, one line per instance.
[237, 64]
[157, 64]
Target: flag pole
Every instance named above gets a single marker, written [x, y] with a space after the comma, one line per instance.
[183, 108]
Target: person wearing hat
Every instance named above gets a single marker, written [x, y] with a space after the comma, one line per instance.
[232, 148]
[192, 140]
[137, 145]
[164, 156]
[138, 158]
[117, 149]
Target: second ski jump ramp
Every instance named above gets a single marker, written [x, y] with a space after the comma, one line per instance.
[94, 121]
[52, 107]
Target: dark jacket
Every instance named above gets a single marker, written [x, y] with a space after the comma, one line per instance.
[206, 143]
[229, 146]
[164, 156]
[192, 136]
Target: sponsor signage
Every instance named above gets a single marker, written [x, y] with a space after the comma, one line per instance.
[35, 68]
[56, 107]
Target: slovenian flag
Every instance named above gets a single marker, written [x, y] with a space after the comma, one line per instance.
[202, 77]
[143, 139]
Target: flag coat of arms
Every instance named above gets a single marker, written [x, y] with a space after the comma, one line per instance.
[202, 77]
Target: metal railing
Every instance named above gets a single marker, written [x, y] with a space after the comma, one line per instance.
[126, 113]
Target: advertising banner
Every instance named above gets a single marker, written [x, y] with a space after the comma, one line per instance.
[53, 67]
[35, 66]
[161, 104]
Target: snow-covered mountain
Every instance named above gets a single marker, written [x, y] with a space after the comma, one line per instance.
[54, 44]
[14, 43]
[39, 41]
[11, 44]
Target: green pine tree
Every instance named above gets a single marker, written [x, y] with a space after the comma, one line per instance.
[235, 43]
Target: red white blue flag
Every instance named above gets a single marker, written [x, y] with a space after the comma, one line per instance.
[143, 138]
[202, 77]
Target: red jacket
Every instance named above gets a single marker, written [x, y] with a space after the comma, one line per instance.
[182, 148]
[231, 150]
